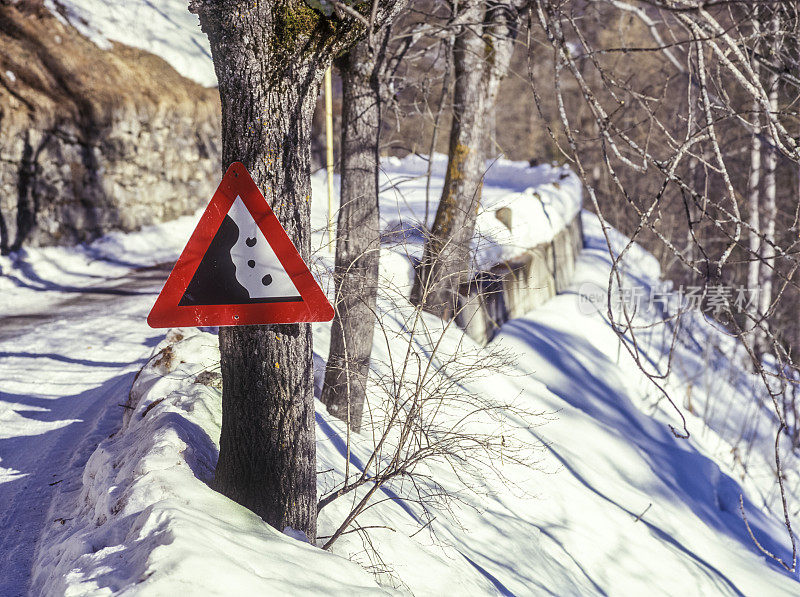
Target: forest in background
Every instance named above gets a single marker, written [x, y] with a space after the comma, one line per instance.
[683, 121]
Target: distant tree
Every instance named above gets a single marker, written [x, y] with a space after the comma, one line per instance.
[269, 58]
[484, 38]
[754, 207]
[769, 205]
[357, 233]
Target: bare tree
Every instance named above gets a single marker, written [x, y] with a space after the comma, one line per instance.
[769, 207]
[358, 232]
[269, 58]
[484, 37]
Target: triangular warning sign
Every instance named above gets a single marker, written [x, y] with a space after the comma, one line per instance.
[239, 267]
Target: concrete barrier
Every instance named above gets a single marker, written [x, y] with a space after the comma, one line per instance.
[512, 288]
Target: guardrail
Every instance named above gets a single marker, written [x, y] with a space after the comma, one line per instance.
[514, 287]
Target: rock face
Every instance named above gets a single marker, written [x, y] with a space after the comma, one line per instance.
[94, 140]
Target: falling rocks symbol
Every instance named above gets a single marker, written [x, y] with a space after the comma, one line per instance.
[239, 267]
[214, 282]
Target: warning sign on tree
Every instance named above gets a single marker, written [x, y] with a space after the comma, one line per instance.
[239, 267]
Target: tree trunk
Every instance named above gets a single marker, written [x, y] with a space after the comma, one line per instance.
[357, 239]
[500, 31]
[754, 207]
[768, 214]
[446, 261]
[269, 58]
[267, 459]
[768, 211]
[481, 55]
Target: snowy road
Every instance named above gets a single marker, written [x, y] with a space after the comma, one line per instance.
[68, 356]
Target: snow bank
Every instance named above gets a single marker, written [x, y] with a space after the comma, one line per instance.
[165, 28]
[147, 523]
[542, 199]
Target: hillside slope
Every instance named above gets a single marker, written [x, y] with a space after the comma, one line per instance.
[94, 139]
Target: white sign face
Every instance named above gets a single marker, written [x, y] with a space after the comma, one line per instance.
[257, 267]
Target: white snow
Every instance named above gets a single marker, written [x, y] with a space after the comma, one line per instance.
[542, 201]
[165, 28]
[146, 518]
[615, 504]
[71, 342]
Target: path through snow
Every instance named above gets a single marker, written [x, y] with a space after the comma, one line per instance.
[64, 363]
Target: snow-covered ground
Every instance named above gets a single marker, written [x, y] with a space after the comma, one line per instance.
[165, 28]
[613, 503]
[71, 342]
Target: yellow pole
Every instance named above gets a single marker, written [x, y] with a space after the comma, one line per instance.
[329, 152]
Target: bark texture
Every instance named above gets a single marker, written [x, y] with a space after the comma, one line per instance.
[269, 58]
[446, 258]
[500, 31]
[357, 238]
[481, 54]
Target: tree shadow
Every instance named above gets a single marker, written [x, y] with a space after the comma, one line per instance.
[501, 588]
[58, 357]
[340, 444]
[28, 277]
[589, 381]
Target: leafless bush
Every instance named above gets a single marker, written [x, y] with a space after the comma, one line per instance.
[421, 415]
[691, 109]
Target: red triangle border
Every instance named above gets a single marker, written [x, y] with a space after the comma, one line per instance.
[166, 311]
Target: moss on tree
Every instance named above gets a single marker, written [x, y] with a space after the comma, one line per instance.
[293, 22]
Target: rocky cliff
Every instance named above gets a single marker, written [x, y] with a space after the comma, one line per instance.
[94, 140]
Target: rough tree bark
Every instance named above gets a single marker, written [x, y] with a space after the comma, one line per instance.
[499, 34]
[269, 58]
[481, 54]
[357, 236]
[446, 255]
